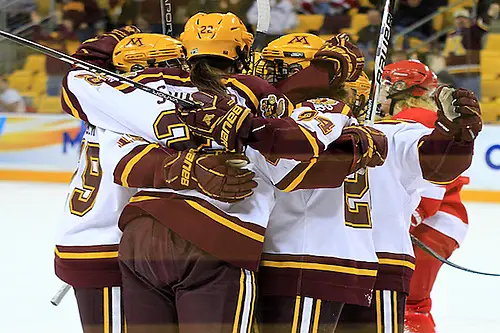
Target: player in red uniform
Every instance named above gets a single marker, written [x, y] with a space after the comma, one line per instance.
[440, 220]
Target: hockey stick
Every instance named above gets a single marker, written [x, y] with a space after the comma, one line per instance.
[167, 26]
[384, 39]
[263, 21]
[60, 294]
[434, 254]
[95, 69]
[237, 163]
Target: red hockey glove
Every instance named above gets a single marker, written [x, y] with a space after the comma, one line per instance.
[210, 174]
[99, 50]
[218, 118]
[369, 146]
[345, 59]
[459, 114]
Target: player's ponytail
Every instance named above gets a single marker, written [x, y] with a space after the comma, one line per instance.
[207, 73]
[409, 101]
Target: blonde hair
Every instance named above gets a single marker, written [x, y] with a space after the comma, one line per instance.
[424, 102]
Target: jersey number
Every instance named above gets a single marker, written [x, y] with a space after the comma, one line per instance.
[82, 199]
[325, 125]
[357, 210]
[167, 127]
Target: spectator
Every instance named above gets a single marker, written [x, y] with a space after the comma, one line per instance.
[329, 7]
[367, 36]
[283, 19]
[398, 55]
[237, 7]
[84, 14]
[57, 40]
[10, 99]
[463, 46]
[17, 13]
[150, 16]
[122, 13]
[410, 11]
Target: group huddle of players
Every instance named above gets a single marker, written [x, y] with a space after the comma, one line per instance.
[266, 206]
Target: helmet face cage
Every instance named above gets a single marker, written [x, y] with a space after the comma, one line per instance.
[274, 71]
[171, 63]
[357, 102]
[244, 59]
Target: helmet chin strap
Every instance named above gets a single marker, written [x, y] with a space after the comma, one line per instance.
[399, 96]
[393, 105]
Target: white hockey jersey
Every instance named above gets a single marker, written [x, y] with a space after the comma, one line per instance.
[319, 241]
[234, 232]
[87, 238]
[396, 188]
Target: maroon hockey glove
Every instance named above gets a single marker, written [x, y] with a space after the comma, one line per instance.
[99, 50]
[210, 174]
[346, 61]
[218, 118]
[369, 146]
[459, 114]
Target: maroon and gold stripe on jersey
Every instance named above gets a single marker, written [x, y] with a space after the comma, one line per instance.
[327, 278]
[88, 266]
[214, 231]
[394, 272]
[143, 167]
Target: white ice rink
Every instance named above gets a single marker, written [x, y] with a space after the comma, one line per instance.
[462, 302]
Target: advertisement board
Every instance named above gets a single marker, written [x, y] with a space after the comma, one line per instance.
[39, 147]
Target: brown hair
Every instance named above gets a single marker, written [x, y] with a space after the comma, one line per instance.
[207, 73]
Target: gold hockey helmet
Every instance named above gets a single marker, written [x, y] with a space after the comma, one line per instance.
[216, 34]
[287, 55]
[358, 92]
[140, 51]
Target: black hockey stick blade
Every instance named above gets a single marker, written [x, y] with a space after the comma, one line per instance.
[383, 43]
[95, 69]
[434, 254]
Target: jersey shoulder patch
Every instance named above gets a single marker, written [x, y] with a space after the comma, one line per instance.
[327, 105]
[268, 101]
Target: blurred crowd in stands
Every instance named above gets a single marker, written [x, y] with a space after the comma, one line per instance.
[455, 52]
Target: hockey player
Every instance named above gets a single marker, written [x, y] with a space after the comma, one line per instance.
[420, 155]
[442, 224]
[304, 284]
[416, 155]
[86, 254]
[231, 236]
[440, 220]
[325, 320]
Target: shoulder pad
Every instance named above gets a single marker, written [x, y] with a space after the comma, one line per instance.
[327, 105]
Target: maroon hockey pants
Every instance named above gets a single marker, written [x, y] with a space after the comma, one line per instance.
[101, 309]
[282, 314]
[171, 285]
[386, 314]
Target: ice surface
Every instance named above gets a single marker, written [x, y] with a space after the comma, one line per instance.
[463, 302]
